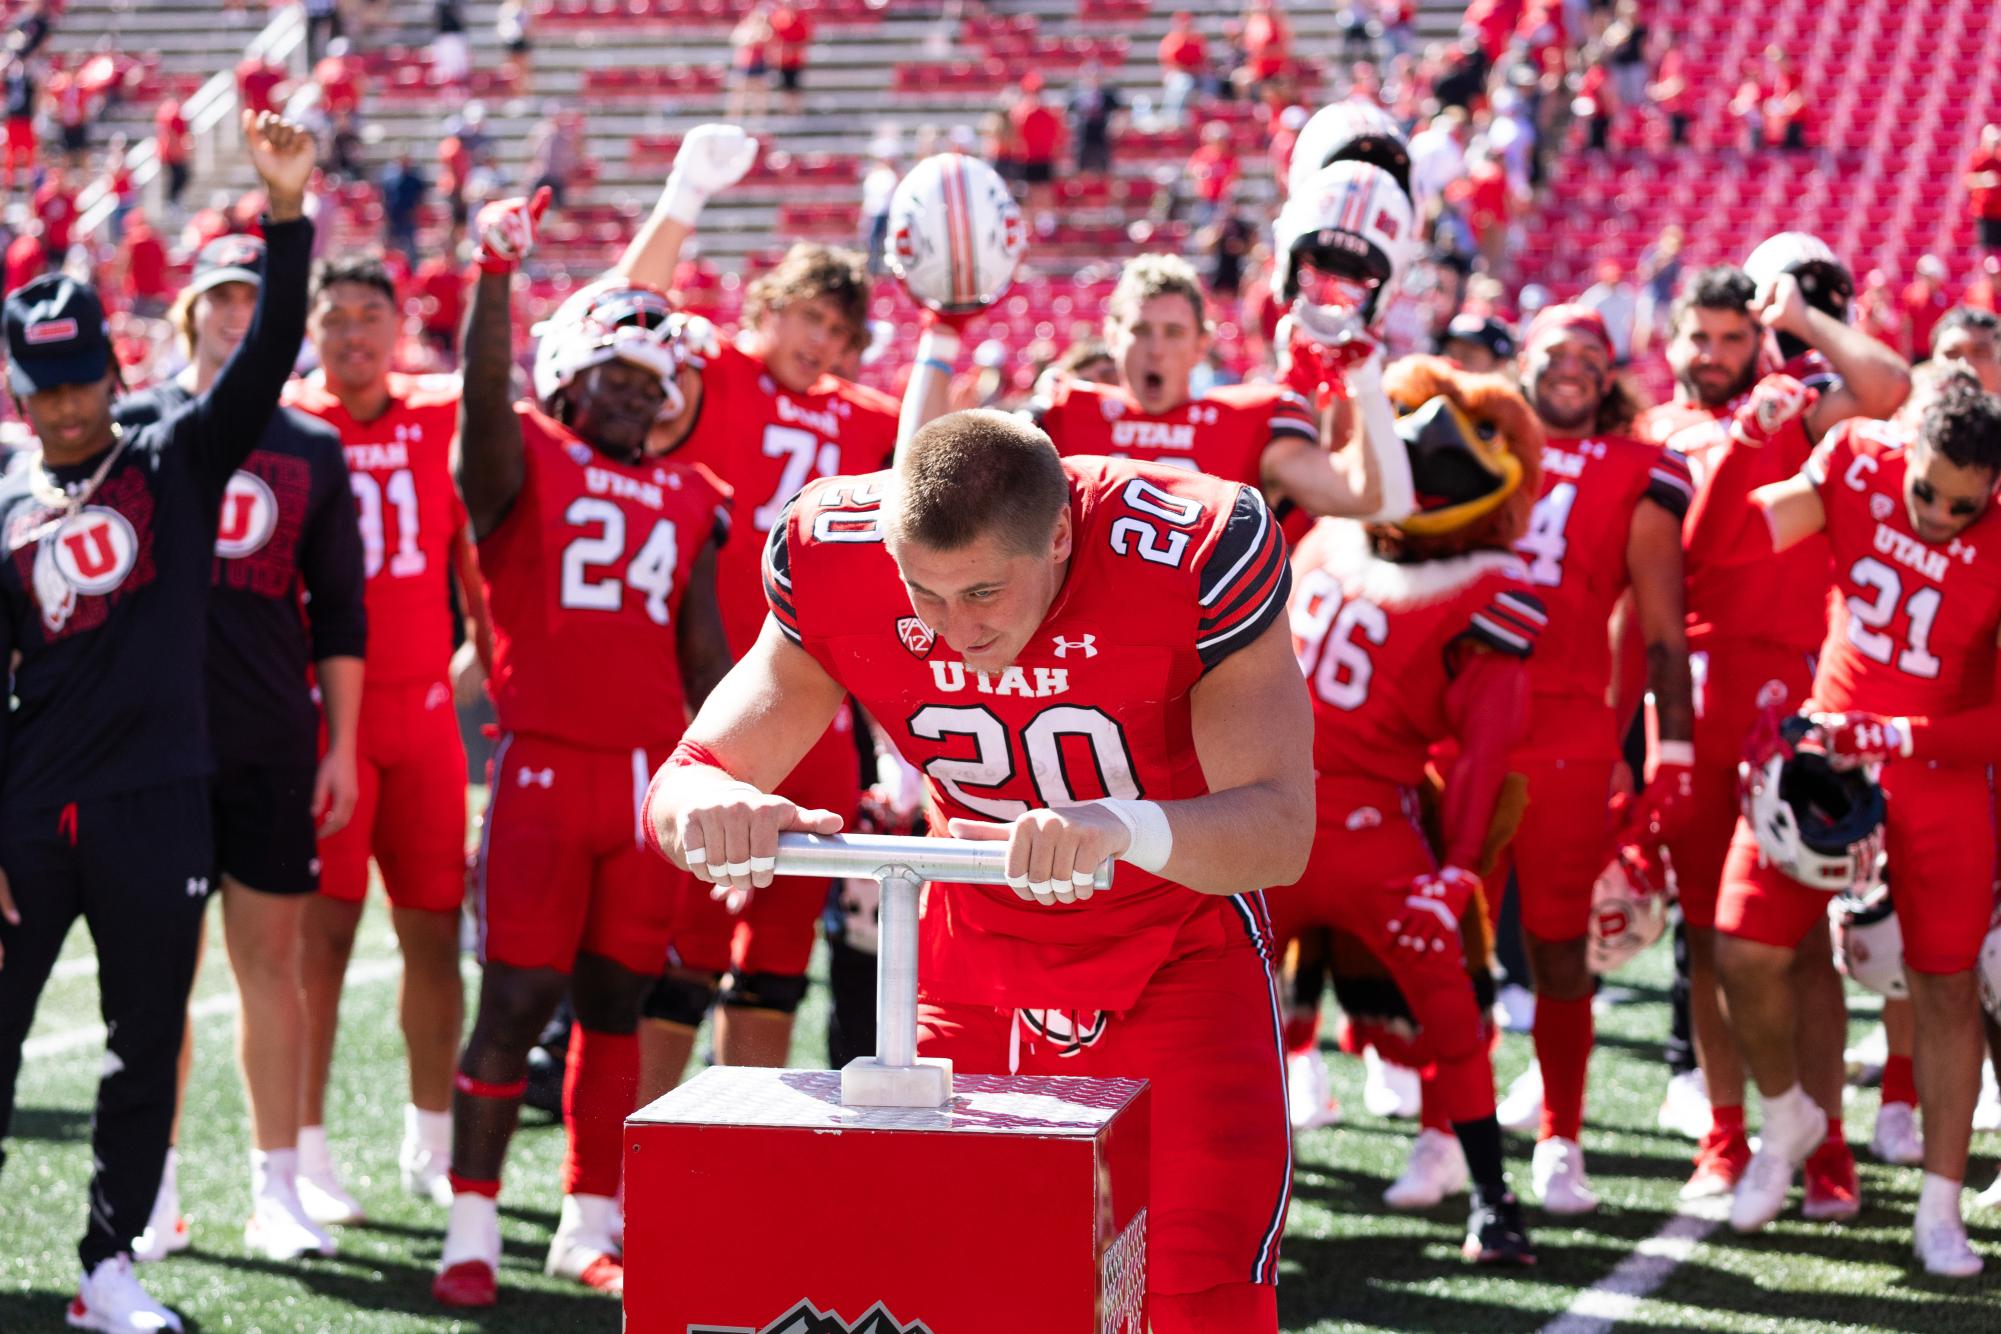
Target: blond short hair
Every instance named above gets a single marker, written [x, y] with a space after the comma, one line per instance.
[1148, 276]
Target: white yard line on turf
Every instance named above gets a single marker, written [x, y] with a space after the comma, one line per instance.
[1617, 1295]
[213, 1007]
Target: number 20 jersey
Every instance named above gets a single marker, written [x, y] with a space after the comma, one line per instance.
[765, 443]
[1914, 630]
[584, 577]
[1171, 572]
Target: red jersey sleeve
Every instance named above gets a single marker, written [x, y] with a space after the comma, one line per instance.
[1510, 622]
[1670, 484]
[1293, 417]
[1244, 582]
[778, 573]
[1829, 459]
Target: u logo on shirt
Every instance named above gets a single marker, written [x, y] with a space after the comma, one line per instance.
[95, 549]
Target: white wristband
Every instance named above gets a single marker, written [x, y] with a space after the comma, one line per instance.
[1380, 438]
[1900, 736]
[681, 199]
[1674, 752]
[938, 344]
[1146, 824]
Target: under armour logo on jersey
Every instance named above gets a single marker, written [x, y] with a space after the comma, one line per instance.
[1962, 550]
[1088, 645]
[409, 433]
[197, 886]
[543, 778]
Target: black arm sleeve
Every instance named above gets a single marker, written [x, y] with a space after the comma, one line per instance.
[220, 428]
[330, 558]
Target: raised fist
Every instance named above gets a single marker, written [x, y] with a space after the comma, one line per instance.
[504, 231]
[714, 157]
[1318, 358]
[1776, 401]
[283, 156]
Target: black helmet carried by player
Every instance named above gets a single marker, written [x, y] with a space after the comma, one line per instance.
[1820, 825]
[1824, 280]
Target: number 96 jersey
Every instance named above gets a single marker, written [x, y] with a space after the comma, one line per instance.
[1170, 573]
[584, 578]
[1915, 628]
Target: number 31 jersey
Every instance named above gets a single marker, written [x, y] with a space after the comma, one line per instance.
[584, 577]
[1914, 630]
[765, 443]
[399, 466]
[1171, 572]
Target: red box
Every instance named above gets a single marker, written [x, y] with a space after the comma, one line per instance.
[755, 1202]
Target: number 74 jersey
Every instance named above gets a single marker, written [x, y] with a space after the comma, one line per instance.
[1171, 572]
[584, 579]
[1915, 629]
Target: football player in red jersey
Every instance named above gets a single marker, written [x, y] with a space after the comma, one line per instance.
[1409, 635]
[1906, 678]
[1006, 614]
[767, 414]
[1751, 633]
[600, 563]
[1608, 520]
[410, 816]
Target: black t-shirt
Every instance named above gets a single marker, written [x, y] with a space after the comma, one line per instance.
[20, 96]
[287, 528]
[108, 607]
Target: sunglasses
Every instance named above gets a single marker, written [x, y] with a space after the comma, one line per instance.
[1927, 494]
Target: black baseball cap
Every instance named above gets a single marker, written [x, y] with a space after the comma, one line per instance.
[228, 259]
[1488, 332]
[56, 334]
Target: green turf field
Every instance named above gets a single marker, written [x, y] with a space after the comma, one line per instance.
[1347, 1262]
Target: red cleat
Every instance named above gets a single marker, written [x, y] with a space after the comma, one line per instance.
[603, 1274]
[467, 1283]
[1719, 1161]
[1832, 1192]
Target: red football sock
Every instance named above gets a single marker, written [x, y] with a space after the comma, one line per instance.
[1563, 1045]
[468, 1186]
[1228, 1308]
[1431, 1106]
[1898, 1083]
[1726, 1120]
[600, 1089]
[1302, 1032]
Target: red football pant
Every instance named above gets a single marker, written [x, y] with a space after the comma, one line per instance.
[411, 812]
[563, 867]
[774, 933]
[1367, 848]
[1733, 684]
[1564, 841]
[1939, 838]
[1206, 1032]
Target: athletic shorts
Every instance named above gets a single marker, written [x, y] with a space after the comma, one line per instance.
[1367, 849]
[411, 813]
[21, 137]
[774, 933]
[1205, 1031]
[788, 77]
[1733, 685]
[264, 836]
[563, 864]
[1939, 839]
[1564, 841]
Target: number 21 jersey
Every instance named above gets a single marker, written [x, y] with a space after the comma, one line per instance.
[1914, 630]
[1171, 572]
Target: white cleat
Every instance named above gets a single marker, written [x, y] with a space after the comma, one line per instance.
[1390, 1090]
[1437, 1168]
[280, 1230]
[326, 1201]
[166, 1230]
[585, 1247]
[1991, 1197]
[1787, 1141]
[1896, 1138]
[111, 1299]
[1514, 1007]
[1520, 1108]
[1685, 1107]
[1557, 1172]
[1942, 1247]
[1987, 1112]
[426, 1175]
[1309, 1099]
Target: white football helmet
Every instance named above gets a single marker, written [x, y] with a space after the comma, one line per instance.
[1989, 972]
[1628, 912]
[955, 234]
[1869, 941]
[1824, 280]
[617, 320]
[1353, 130]
[1819, 825]
[1350, 223]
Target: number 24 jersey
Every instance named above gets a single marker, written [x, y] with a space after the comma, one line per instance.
[1170, 573]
